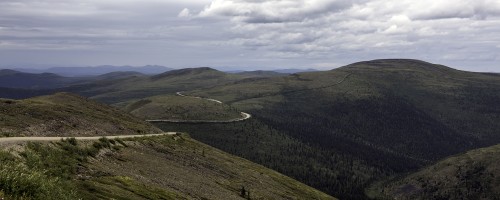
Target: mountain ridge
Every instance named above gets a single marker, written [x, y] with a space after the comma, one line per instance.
[186, 72]
[407, 63]
[394, 116]
[77, 71]
[16, 79]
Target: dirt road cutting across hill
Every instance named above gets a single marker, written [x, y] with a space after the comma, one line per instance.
[32, 139]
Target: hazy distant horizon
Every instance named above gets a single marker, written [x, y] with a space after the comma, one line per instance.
[249, 34]
[220, 68]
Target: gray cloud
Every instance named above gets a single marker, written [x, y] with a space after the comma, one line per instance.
[273, 11]
[256, 33]
[436, 30]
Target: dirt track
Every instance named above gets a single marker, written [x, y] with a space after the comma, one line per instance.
[26, 139]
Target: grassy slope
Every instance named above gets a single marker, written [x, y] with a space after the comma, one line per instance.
[393, 116]
[194, 170]
[166, 167]
[472, 175]
[180, 108]
[66, 114]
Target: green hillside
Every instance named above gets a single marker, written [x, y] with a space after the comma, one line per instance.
[169, 107]
[160, 167]
[385, 117]
[138, 87]
[66, 114]
[260, 74]
[339, 130]
[472, 175]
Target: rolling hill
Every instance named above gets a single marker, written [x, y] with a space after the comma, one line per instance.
[160, 167]
[170, 107]
[338, 130]
[136, 88]
[66, 114]
[15, 84]
[364, 121]
[472, 175]
[260, 74]
[119, 75]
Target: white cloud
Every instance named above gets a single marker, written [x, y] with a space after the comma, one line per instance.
[184, 13]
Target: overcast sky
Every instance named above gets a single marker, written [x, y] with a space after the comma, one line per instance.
[249, 34]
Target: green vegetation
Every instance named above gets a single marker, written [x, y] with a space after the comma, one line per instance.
[198, 171]
[60, 171]
[124, 169]
[66, 113]
[163, 167]
[19, 182]
[181, 108]
[44, 171]
[387, 117]
[338, 131]
[121, 187]
[315, 166]
[136, 88]
[473, 175]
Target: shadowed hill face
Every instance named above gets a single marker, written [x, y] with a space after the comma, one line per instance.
[393, 116]
[15, 79]
[473, 175]
[418, 69]
[64, 114]
[5, 72]
[403, 64]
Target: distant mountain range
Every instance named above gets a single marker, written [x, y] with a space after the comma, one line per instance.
[77, 71]
[96, 70]
[16, 79]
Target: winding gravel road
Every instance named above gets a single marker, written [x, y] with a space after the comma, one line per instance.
[244, 115]
[28, 139]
